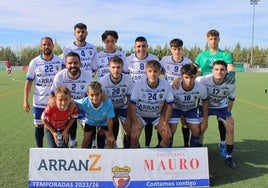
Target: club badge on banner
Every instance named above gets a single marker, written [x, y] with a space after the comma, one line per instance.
[120, 168]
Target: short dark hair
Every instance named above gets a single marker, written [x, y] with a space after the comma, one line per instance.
[116, 59]
[188, 69]
[154, 63]
[213, 32]
[220, 62]
[73, 54]
[176, 43]
[80, 26]
[47, 38]
[140, 39]
[109, 32]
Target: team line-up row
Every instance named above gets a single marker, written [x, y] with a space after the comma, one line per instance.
[132, 91]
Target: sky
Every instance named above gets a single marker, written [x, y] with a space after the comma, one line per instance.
[24, 23]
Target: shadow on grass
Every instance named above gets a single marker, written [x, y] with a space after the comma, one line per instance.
[251, 157]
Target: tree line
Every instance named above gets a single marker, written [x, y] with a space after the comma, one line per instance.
[240, 54]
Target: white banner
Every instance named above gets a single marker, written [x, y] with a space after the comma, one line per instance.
[94, 168]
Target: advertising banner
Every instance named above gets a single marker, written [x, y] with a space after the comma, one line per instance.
[94, 168]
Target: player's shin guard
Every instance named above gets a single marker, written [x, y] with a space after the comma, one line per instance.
[222, 130]
[186, 136]
[126, 141]
[39, 135]
[194, 142]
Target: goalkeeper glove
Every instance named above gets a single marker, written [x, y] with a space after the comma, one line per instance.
[230, 78]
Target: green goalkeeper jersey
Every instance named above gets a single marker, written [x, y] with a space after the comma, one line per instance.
[205, 60]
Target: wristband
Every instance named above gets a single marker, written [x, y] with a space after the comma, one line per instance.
[228, 114]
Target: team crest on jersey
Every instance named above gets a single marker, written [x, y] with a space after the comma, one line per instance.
[123, 90]
[195, 97]
[82, 86]
[121, 177]
[161, 95]
[224, 92]
[57, 67]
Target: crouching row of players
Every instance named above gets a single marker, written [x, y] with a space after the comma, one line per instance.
[151, 100]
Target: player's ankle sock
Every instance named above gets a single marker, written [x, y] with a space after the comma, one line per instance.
[229, 149]
[194, 142]
[39, 135]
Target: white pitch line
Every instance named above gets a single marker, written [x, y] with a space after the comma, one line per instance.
[15, 80]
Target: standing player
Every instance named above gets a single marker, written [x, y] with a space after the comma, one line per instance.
[41, 72]
[205, 60]
[98, 113]
[135, 66]
[221, 96]
[151, 103]
[59, 118]
[186, 102]
[101, 65]
[8, 67]
[76, 80]
[117, 86]
[102, 58]
[172, 65]
[86, 52]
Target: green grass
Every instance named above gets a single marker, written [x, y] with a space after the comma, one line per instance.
[251, 133]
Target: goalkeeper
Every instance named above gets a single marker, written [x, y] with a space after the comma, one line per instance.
[204, 62]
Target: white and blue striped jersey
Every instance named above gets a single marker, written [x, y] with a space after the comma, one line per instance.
[186, 100]
[173, 69]
[77, 87]
[137, 67]
[101, 61]
[218, 94]
[41, 72]
[86, 54]
[150, 101]
[118, 92]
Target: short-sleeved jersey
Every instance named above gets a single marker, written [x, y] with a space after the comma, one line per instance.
[96, 116]
[118, 92]
[101, 61]
[58, 118]
[205, 60]
[41, 72]
[137, 67]
[186, 100]
[85, 52]
[172, 68]
[218, 94]
[149, 101]
[77, 87]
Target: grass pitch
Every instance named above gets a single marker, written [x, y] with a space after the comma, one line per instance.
[250, 112]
